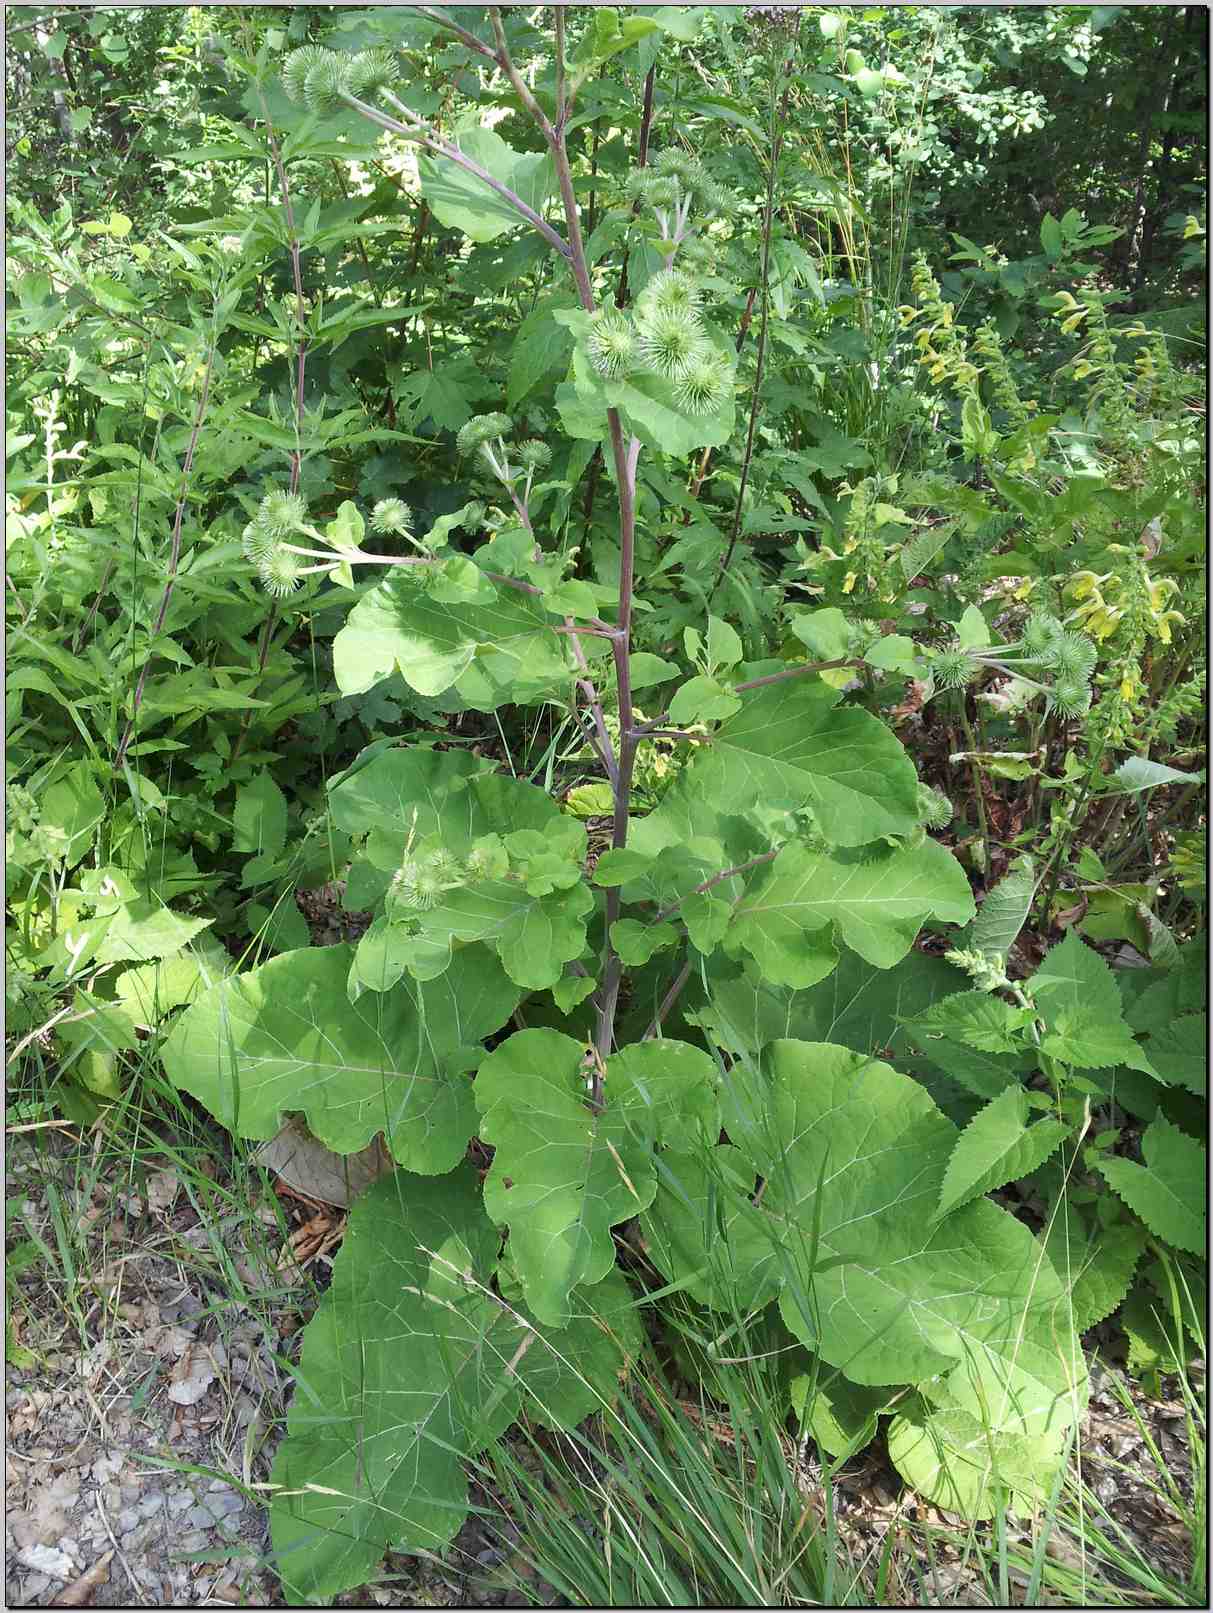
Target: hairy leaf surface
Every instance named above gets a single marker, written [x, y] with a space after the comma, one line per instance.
[285, 1038]
[410, 1364]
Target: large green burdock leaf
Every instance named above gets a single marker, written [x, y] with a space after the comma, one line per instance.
[410, 1364]
[286, 1039]
[433, 644]
[877, 900]
[463, 202]
[793, 744]
[428, 799]
[966, 1306]
[562, 1175]
[858, 1005]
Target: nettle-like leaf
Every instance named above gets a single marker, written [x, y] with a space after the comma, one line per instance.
[998, 1146]
[285, 1039]
[562, 1175]
[855, 1157]
[398, 627]
[1080, 1004]
[977, 1019]
[793, 744]
[411, 1364]
[877, 902]
[1169, 1191]
[462, 202]
[1095, 1261]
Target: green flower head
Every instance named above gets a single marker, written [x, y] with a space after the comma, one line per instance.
[328, 82]
[669, 292]
[953, 668]
[280, 572]
[481, 429]
[704, 384]
[533, 455]
[371, 70]
[612, 344]
[1070, 697]
[671, 341]
[279, 514]
[391, 515]
[297, 66]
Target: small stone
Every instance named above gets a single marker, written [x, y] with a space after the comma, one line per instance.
[200, 1518]
[131, 1494]
[151, 1505]
[179, 1500]
[128, 1519]
[193, 1541]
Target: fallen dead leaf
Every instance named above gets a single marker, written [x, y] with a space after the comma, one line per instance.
[191, 1377]
[307, 1167]
[162, 1190]
[79, 1593]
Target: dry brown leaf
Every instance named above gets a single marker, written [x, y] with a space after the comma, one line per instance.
[307, 1167]
[79, 1593]
[191, 1377]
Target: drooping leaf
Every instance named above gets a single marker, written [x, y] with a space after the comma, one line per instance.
[997, 1146]
[285, 1038]
[1138, 773]
[1004, 911]
[840, 1415]
[792, 744]
[541, 347]
[398, 627]
[1168, 1192]
[410, 1364]
[878, 902]
[461, 201]
[562, 1174]
[959, 1462]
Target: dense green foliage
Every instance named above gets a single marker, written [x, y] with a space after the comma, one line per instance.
[736, 648]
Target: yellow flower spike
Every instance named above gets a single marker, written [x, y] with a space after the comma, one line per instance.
[852, 578]
[938, 371]
[1083, 368]
[1073, 322]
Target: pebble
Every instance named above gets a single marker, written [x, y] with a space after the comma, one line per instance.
[194, 1540]
[179, 1500]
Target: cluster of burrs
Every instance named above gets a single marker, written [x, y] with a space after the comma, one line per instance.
[486, 434]
[671, 186]
[321, 79]
[663, 336]
[1047, 648]
[282, 564]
